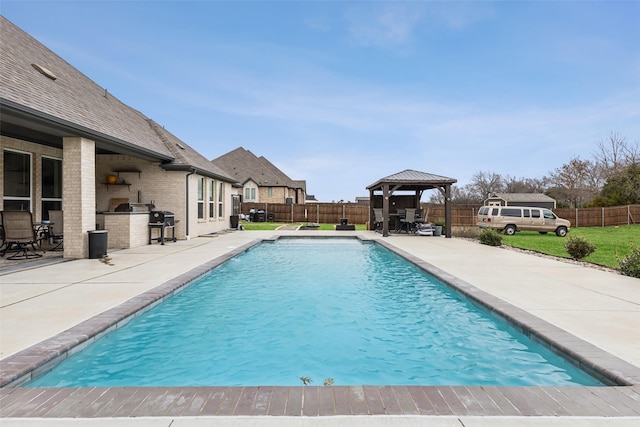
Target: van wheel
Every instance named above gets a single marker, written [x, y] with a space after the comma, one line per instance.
[561, 231]
[510, 230]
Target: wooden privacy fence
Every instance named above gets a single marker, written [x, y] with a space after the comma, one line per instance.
[601, 217]
[461, 215]
[320, 213]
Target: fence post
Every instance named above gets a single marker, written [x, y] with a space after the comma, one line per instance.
[317, 214]
[577, 217]
[292, 213]
[628, 214]
[603, 216]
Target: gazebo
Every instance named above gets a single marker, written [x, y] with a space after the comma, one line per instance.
[415, 183]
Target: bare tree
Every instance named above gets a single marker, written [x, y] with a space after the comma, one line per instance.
[614, 155]
[459, 195]
[574, 182]
[485, 183]
[524, 185]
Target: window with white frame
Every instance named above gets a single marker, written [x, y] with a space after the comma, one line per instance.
[17, 181]
[51, 185]
[212, 198]
[250, 194]
[200, 197]
[221, 200]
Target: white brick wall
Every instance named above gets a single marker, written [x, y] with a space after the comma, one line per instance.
[78, 193]
[126, 231]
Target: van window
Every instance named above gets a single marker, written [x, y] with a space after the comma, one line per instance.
[511, 212]
[483, 210]
[494, 211]
[535, 213]
[549, 214]
[525, 213]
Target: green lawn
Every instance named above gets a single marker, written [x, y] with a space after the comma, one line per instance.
[609, 242]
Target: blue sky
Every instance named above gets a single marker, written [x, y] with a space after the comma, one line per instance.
[342, 93]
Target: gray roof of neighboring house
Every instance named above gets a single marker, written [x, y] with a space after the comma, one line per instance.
[522, 197]
[300, 183]
[69, 103]
[243, 166]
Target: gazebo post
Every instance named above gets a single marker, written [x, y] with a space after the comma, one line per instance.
[447, 211]
[371, 214]
[385, 210]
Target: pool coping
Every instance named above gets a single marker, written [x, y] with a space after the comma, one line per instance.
[620, 400]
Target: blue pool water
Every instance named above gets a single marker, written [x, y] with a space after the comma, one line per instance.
[319, 308]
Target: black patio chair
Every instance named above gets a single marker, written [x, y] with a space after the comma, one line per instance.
[56, 229]
[409, 220]
[19, 234]
[378, 221]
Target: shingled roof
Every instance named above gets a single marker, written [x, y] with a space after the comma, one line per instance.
[410, 179]
[522, 197]
[185, 157]
[43, 98]
[243, 165]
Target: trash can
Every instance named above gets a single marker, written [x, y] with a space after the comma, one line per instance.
[98, 243]
[271, 217]
[260, 216]
[344, 221]
[234, 221]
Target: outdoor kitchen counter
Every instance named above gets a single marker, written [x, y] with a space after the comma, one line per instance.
[126, 229]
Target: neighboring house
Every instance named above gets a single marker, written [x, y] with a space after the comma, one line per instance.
[362, 200]
[521, 199]
[61, 135]
[262, 182]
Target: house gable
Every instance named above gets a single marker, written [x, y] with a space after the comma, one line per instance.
[243, 165]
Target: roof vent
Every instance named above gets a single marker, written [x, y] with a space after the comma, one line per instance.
[44, 71]
[180, 146]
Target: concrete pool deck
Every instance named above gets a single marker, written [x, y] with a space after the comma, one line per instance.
[601, 309]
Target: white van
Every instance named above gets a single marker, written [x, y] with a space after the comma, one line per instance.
[517, 218]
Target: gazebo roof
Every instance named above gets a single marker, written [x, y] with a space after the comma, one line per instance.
[413, 180]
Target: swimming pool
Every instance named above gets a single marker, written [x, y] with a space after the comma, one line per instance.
[317, 308]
